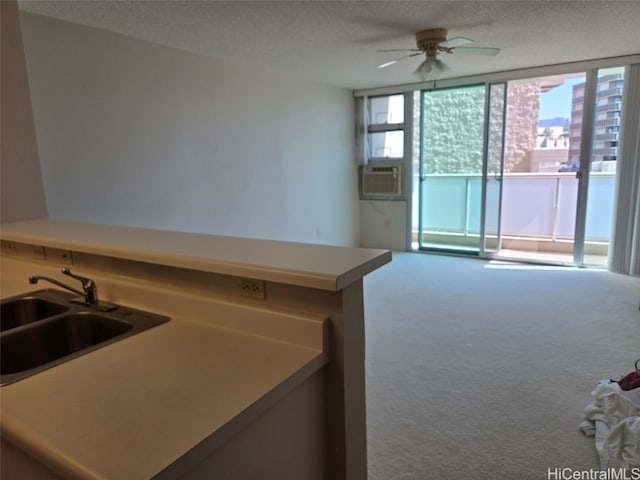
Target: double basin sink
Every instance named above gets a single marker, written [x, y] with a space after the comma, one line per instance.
[42, 329]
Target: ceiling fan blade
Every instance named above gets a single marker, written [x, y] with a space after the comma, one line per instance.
[490, 52]
[387, 64]
[401, 50]
[456, 42]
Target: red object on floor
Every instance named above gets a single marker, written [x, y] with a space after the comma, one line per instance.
[630, 381]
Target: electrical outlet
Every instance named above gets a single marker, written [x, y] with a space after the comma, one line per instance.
[58, 256]
[250, 287]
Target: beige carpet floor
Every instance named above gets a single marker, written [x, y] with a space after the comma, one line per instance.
[478, 370]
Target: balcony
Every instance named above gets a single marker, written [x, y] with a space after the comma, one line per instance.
[610, 92]
[538, 213]
[607, 122]
[609, 107]
[605, 151]
[607, 137]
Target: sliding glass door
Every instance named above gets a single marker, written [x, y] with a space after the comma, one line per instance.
[521, 170]
[451, 163]
[602, 167]
[540, 169]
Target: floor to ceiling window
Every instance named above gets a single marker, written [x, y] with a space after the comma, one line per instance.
[538, 165]
[603, 164]
[515, 170]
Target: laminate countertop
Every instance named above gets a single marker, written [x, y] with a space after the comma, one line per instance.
[325, 267]
[132, 408]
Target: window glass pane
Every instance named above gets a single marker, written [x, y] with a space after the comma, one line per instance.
[541, 158]
[388, 109]
[386, 144]
[601, 192]
[452, 155]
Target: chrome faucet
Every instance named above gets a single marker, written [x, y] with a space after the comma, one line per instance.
[88, 294]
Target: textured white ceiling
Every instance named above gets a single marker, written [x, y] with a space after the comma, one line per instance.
[335, 42]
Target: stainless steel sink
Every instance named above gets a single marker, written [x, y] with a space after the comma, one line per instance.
[21, 311]
[43, 329]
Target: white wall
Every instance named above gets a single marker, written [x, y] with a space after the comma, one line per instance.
[134, 133]
[21, 189]
[383, 224]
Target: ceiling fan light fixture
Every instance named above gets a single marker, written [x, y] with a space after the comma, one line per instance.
[433, 42]
[425, 68]
[441, 65]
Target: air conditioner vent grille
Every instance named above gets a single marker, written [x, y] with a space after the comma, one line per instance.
[382, 180]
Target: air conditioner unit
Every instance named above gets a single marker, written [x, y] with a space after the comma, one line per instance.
[382, 180]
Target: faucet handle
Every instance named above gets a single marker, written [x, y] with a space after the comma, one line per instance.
[88, 286]
[85, 281]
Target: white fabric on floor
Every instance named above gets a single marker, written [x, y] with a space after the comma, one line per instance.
[614, 419]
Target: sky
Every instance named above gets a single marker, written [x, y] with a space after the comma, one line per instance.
[557, 101]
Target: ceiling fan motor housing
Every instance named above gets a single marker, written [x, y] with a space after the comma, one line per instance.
[428, 40]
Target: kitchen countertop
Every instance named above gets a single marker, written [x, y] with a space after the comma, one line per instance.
[324, 267]
[132, 408]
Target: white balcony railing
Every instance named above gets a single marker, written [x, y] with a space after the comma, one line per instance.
[534, 205]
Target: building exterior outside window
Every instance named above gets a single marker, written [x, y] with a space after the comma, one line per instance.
[607, 122]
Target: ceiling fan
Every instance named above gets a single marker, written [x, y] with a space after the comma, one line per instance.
[432, 42]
